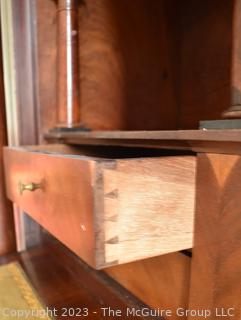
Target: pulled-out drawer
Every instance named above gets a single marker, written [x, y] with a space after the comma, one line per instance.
[107, 210]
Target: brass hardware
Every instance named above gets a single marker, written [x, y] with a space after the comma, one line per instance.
[28, 186]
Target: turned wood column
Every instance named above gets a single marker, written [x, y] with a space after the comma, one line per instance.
[68, 109]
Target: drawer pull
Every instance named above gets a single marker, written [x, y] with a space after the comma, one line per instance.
[28, 186]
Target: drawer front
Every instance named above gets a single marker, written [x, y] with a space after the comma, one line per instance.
[64, 202]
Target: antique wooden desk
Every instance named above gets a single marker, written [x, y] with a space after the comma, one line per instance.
[110, 159]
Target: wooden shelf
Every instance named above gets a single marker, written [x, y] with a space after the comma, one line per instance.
[220, 141]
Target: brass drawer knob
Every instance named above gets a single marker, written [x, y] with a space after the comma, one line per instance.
[28, 186]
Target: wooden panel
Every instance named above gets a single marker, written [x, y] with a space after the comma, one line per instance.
[234, 111]
[149, 207]
[24, 59]
[127, 59]
[144, 62]
[160, 281]
[216, 264]
[107, 211]
[102, 68]
[20, 91]
[206, 48]
[46, 64]
[7, 237]
[236, 57]
[159, 80]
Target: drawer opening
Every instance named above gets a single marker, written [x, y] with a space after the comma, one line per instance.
[107, 152]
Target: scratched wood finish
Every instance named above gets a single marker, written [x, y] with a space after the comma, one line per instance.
[216, 263]
[160, 281]
[108, 211]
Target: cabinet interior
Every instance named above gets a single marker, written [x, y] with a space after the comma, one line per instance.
[143, 65]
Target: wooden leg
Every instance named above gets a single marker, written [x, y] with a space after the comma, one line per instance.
[28, 232]
[216, 263]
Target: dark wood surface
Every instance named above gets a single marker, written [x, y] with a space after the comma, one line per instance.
[216, 262]
[7, 236]
[62, 280]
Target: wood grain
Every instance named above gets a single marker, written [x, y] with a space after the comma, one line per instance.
[216, 264]
[234, 111]
[128, 60]
[25, 73]
[64, 281]
[171, 135]
[205, 82]
[7, 236]
[150, 213]
[102, 69]
[67, 62]
[20, 89]
[128, 64]
[108, 211]
[144, 62]
[64, 205]
[46, 64]
[215, 141]
[160, 281]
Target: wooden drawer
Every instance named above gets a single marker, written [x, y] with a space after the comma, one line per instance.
[108, 211]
